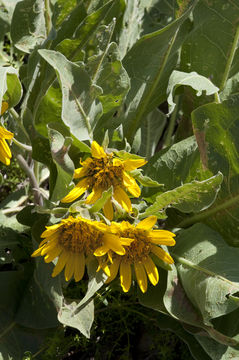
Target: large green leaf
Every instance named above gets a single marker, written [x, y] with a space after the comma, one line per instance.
[208, 269]
[80, 107]
[191, 197]
[216, 128]
[208, 48]
[149, 74]
[28, 27]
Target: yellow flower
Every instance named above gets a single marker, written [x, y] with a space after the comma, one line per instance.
[144, 243]
[101, 171]
[72, 241]
[5, 152]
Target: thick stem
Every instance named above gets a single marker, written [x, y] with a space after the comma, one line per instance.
[230, 60]
[36, 190]
[22, 146]
[47, 17]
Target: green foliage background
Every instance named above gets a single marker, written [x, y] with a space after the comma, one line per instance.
[157, 78]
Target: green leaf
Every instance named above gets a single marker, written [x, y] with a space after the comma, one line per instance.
[64, 165]
[80, 107]
[144, 180]
[10, 86]
[193, 79]
[208, 270]
[99, 204]
[28, 25]
[219, 152]
[206, 50]
[149, 74]
[80, 314]
[191, 197]
[112, 78]
[151, 131]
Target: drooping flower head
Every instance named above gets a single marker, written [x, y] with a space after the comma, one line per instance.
[5, 152]
[72, 241]
[137, 255]
[101, 171]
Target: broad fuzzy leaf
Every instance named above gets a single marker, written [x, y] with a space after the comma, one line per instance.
[80, 107]
[193, 79]
[191, 197]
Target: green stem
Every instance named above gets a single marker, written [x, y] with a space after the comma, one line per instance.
[22, 146]
[34, 184]
[47, 17]
[142, 107]
[207, 213]
[190, 264]
[217, 98]
[9, 328]
[18, 120]
[230, 60]
[172, 121]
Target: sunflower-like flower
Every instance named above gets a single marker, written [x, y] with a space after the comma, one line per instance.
[101, 171]
[144, 243]
[5, 152]
[72, 241]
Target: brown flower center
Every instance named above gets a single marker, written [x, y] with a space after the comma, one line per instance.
[103, 173]
[139, 249]
[80, 237]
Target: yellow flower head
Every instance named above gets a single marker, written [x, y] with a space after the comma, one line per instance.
[101, 171]
[5, 152]
[144, 243]
[72, 241]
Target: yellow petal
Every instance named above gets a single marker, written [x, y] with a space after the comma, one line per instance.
[37, 252]
[50, 230]
[5, 134]
[4, 107]
[78, 190]
[52, 254]
[114, 268]
[131, 185]
[147, 223]
[122, 198]
[5, 152]
[161, 254]
[94, 196]
[102, 250]
[105, 267]
[97, 151]
[141, 276]
[79, 266]
[62, 260]
[132, 164]
[161, 241]
[70, 267]
[108, 210]
[80, 172]
[113, 243]
[151, 270]
[126, 241]
[125, 276]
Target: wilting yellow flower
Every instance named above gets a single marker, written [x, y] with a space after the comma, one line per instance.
[101, 171]
[5, 152]
[144, 243]
[72, 241]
